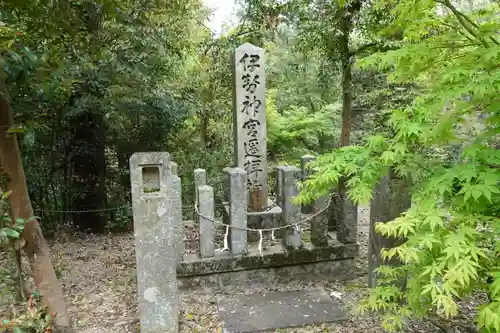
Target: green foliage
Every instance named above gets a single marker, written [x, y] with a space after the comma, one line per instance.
[10, 231]
[34, 320]
[297, 131]
[450, 233]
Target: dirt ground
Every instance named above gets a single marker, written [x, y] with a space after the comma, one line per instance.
[98, 277]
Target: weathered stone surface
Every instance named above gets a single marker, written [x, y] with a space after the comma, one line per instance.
[200, 179]
[174, 169]
[305, 172]
[279, 186]
[238, 210]
[319, 224]
[249, 117]
[347, 231]
[291, 210]
[155, 242]
[207, 225]
[391, 198]
[226, 172]
[177, 214]
[332, 270]
[263, 220]
[274, 256]
[259, 220]
[275, 310]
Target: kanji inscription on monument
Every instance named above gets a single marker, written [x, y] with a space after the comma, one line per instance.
[249, 116]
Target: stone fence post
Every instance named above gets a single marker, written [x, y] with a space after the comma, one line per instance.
[207, 225]
[305, 173]
[238, 210]
[291, 211]
[391, 198]
[200, 179]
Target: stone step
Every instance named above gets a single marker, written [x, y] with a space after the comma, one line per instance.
[278, 310]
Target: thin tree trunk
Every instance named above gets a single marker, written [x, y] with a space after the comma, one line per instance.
[345, 58]
[36, 247]
[336, 213]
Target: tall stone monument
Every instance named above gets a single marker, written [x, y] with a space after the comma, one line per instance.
[249, 121]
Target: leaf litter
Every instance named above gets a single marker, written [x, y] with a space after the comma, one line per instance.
[98, 276]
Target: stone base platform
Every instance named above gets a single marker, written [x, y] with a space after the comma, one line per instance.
[278, 310]
[259, 220]
[276, 264]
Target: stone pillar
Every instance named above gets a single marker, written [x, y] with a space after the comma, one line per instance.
[291, 210]
[174, 169]
[155, 242]
[207, 225]
[238, 210]
[305, 173]
[249, 121]
[319, 224]
[391, 198]
[347, 227]
[177, 213]
[200, 179]
[279, 186]
[226, 171]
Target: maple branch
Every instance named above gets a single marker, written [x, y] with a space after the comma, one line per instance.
[462, 21]
[362, 48]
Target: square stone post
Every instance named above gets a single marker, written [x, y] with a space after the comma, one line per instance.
[347, 228]
[391, 198]
[319, 224]
[174, 169]
[279, 186]
[238, 210]
[177, 213]
[155, 242]
[305, 173]
[206, 208]
[291, 210]
[200, 179]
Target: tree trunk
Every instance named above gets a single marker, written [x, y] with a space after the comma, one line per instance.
[88, 160]
[36, 248]
[344, 26]
[336, 213]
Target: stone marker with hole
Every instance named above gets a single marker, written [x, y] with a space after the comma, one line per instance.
[277, 310]
[156, 242]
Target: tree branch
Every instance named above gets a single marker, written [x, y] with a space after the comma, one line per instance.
[474, 24]
[362, 48]
[462, 21]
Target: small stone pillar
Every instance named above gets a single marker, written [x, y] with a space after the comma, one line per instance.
[174, 169]
[347, 227]
[155, 242]
[391, 198]
[291, 210]
[177, 213]
[305, 173]
[319, 224]
[279, 186]
[206, 208]
[238, 210]
[200, 179]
